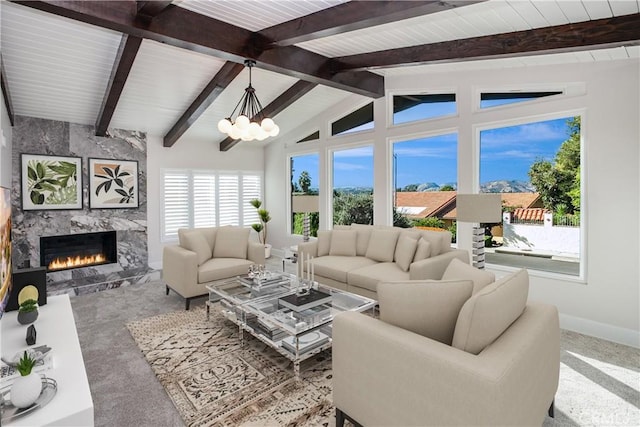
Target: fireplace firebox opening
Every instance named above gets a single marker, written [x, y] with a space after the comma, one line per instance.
[78, 250]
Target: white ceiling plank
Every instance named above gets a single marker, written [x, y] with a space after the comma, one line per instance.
[623, 7]
[597, 9]
[574, 11]
[551, 12]
[529, 13]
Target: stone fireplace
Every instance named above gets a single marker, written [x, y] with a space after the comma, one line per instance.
[69, 251]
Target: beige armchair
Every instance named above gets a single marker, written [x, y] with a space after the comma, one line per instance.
[205, 255]
[489, 374]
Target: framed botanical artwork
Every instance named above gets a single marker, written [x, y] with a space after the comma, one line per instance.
[51, 182]
[113, 183]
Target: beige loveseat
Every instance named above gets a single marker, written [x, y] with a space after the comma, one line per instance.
[355, 258]
[207, 254]
[438, 356]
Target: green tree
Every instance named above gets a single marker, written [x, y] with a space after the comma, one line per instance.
[305, 181]
[410, 187]
[558, 182]
[429, 221]
[400, 219]
[447, 187]
[351, 208]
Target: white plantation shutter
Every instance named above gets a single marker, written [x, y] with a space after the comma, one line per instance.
[251, 189]
[228, 198]
[176, 203]
[204, 200]
[208, 198]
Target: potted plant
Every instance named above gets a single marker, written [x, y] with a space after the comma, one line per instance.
[261, 227]
[28, 312]
[28, 386]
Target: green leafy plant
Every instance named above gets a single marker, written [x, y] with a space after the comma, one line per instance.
[265, 217]
[115, 177]
[52, 182]
[25, 364]
[28, 306]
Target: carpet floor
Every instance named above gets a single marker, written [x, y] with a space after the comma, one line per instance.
[599, 380]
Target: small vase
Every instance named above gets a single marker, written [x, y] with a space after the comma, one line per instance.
[26, 390]
[25, 318]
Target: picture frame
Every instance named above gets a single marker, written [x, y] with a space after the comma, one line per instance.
[50, 182]
[113, 184]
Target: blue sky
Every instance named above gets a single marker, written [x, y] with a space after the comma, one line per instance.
[506, 153]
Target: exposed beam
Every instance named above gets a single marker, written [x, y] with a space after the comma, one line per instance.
[351, 16]
[5, 93]
[129, 46]
[179, 27]
[288, 97]
[598, 34]
[147, 10]
[220, 81]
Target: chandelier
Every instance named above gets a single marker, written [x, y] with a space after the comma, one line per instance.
[250, 123]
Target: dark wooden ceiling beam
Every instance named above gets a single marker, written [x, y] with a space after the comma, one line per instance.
[179, 27]
[351, 16]
[288, 97]
[129, 46]
[4, 85]
[214, 88]
[597, 34]
[147, 10]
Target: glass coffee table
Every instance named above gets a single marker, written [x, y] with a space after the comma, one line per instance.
[294, 320]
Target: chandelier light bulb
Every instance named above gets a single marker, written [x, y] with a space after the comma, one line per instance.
[224, 126]
[275, 131]
[267, 124]
[254, 129]
[234, 132]
[242, 122]
[262, 135]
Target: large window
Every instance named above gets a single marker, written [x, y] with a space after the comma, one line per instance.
[425, 181]
[359, 120]
[353, 186]
[304, 192]
[411, 108]
[193, 198]
[496, 99]
[536, 168]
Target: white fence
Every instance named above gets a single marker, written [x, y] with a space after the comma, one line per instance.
[542, 237]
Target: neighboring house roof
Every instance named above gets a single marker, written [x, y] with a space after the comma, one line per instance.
[529, 214]
[421, 204]
[442, 204]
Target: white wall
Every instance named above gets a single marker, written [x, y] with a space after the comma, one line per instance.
[607, 94]
[187, 154]
[5, 147]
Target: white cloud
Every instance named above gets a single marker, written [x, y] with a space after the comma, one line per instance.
[354, 152]
[524, 134]
[344, 166]
[437, 152]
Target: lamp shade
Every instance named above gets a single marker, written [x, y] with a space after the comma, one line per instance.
[304, 203]
[485, 207]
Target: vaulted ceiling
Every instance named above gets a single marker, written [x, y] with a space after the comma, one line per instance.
[173, 69]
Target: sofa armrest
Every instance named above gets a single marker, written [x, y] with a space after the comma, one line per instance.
[255, 253]
[180, 270]
[308, 248]
[434, 267]
[385, 375]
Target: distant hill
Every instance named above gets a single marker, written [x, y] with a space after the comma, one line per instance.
[504, 186]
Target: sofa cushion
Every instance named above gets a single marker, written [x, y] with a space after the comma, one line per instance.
[231, 242]
[222, 268]
[487, 314]
[324, 242]
[423, 251]
[440, 241]
[427, 307]
[370, 276]
[458, 270]
[337, 267]
[362, 241]
[382, 244]
[195, 241]
[405, 249]
[343, 243]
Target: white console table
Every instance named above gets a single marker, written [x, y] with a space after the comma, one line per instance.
[72, 405]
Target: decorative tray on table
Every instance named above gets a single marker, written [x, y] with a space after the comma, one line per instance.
[10, 412]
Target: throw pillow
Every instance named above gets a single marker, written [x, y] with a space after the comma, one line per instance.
[382, 245]
[405, 249]
[423, 251]
[343, 243]
[231, 242]
[195, 241]
[324, 242]
[487, 314]
[458, 270]
[362, 241]
[427, 307]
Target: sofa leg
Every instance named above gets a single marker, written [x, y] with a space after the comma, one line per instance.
[187, 301]
[552, 409]
[166, 289]
[339, 418]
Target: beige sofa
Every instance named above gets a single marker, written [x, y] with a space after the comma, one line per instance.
[207, 254]
[355, 258]
[439, 357]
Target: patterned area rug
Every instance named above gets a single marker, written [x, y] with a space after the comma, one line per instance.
[213, 381]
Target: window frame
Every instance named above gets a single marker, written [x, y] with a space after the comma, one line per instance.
[440, 91]
[289, 157]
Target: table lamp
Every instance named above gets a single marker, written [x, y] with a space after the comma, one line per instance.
[305, 204]
[479, 208]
